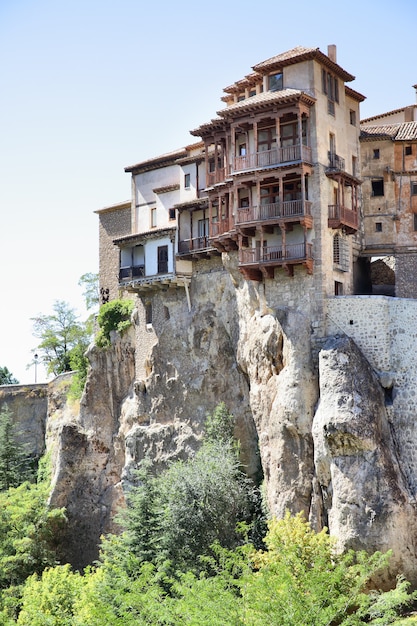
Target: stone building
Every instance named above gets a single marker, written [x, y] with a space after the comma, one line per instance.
[389, 191]
[274, 182]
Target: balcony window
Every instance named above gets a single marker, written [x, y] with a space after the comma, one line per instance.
[275, 82]
[269, 194]
[267, 139]
[289, 134]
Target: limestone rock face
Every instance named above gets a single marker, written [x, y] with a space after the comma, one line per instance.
[366, 503]
[311, 420]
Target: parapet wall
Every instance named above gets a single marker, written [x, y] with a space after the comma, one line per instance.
[385, 330]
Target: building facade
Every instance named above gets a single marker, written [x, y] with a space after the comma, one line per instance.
[274, 180]
[389, 174]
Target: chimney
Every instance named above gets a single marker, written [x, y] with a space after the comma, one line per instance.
[331, 52]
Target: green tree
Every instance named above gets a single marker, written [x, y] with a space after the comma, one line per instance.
[60, 333]
[15, 463]
[29, 530]
[6, 377]
[176, 516]
[50, 597]
[89, 283]
[114, 315]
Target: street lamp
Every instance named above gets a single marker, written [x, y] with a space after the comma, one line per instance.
[36, 368]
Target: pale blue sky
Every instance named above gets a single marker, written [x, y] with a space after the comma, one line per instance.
[91, 86]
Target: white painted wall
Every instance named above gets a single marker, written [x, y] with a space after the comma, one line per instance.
[151, 255]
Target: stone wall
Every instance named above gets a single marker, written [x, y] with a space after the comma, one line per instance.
[114, 222]
[406, 276]
[384, 329]
[29, 407]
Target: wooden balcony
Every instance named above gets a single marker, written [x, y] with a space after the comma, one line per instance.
[196, 247]
[254, 263]
[342, 217]
[130, 273]
[290, 211]
[218, 176]
[270, 158]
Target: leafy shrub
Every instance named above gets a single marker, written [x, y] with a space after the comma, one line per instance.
[114, 315]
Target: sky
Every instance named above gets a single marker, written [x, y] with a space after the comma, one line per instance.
[89, 87]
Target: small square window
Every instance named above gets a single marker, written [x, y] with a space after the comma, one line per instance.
[408, 150]
[275, 82]
[378, 187]
[171, 214]
[352, 117]
[187, 180]
[378, 227]
[376, 153]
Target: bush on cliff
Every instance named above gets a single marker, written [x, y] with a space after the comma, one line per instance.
[114, 315]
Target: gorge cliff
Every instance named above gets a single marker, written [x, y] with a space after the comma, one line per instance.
[321, 424]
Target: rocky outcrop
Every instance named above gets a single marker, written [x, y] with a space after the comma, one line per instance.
[366, 503]
[311, 418]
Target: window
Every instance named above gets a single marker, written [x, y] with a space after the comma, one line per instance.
[242, 149]
[413, 189]
[171, 214]
[415, 221]
[352, 117]
[153, 217]
[275, 82]
[187, 180]
[338, 288]
[378, 227]
[269, 194]
[267, 139]
[340, 253]
[354, 166]
[330, 86]
[376, 153]
[162, 259]
[241, 97]
[252, 93]
[408, 150]
[289, 134]
[148, 313]
[378, 187]
[203, 230]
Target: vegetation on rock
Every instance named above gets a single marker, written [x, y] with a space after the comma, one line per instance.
[113, 316]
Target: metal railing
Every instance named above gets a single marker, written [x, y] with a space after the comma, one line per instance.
[336, 162]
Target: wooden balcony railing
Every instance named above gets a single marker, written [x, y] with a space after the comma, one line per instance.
[191, 245]
[276, 255]
[220, 227]
[276, 156]
[128, 273]
[218, 176]
[340, 216]
[273, 210]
